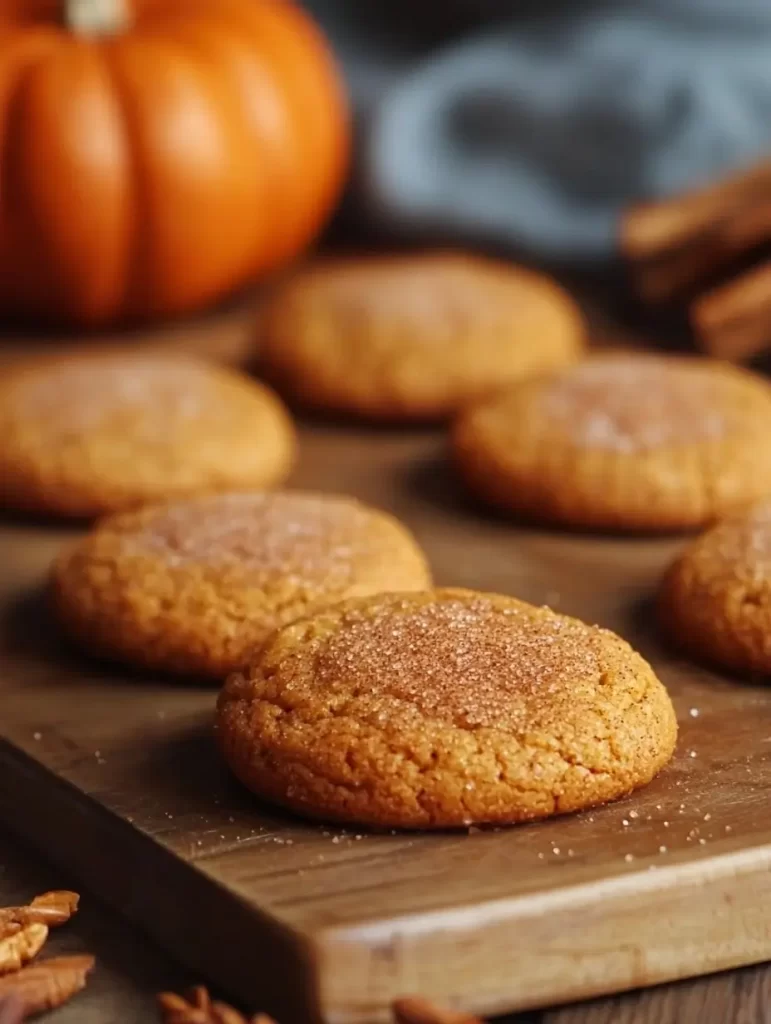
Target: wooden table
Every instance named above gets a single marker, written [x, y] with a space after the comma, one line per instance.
[130, 970]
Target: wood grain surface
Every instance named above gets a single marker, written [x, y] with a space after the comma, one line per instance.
[115, 776]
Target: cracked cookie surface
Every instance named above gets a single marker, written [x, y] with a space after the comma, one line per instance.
[191, 587]
[414, 337]
[444, 708]
[623, 441]
[715, 599]
[94, 433]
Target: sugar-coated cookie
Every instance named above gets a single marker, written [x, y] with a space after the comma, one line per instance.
[444, 708]
[191, 587]
[715, 600]
[93, 433]
[623, 441]
[414, 337]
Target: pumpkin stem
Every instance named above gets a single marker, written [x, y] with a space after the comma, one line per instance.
[96, 17]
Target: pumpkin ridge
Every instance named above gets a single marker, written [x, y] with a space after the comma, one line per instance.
[134, 244]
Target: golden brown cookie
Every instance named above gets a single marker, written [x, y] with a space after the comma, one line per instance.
[191, 587]
[715, 600]
[414, 337]
[91, 433]
[623, 441]
[441, 709]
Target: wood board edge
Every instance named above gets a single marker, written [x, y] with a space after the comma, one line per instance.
[629, 931]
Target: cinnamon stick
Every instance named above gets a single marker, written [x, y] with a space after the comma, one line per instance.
[734, 321]
[727, 248]
[678, 245]
[651, 228]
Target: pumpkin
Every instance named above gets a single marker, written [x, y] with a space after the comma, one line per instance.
[157, 154]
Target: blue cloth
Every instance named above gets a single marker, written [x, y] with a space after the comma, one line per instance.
[534, 132]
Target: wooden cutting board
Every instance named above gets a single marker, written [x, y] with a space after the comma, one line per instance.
[116, 777]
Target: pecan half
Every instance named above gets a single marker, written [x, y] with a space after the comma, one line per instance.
[199, 1008]
[415, 1010]
[11, 1010]
[50, 909]
[47, 984]
[21, 946]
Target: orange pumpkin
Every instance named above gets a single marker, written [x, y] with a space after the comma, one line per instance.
[156, 154]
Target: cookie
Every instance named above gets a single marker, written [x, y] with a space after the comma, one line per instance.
[414, 338]
[94, 433]
[715, 600]
[443, 708]
[191, 587]
[622, 441]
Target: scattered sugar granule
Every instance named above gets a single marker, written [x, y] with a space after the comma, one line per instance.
[694, 712]
[629, 857]
[37, 736]
[662, 849]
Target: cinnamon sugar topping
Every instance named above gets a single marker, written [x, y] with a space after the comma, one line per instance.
[308, 535]
[90, 393]
[470, 662]
[632, 404]
[444, 294]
